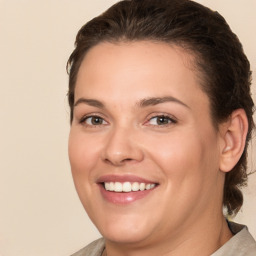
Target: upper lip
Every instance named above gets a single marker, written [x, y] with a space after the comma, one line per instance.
[123, 178]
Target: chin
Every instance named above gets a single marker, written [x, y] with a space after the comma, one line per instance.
[124, 236]
[125, 230]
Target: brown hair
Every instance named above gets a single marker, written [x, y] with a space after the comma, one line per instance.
[204, 33]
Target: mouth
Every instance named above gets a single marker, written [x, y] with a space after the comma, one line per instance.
[125, 189]
[128, 186]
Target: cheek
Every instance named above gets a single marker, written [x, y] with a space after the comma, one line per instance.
[189, 168]
[175, 153]
[83, 156]
[188, 157]
[83, 153]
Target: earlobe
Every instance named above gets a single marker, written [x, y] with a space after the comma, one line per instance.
[234, 135]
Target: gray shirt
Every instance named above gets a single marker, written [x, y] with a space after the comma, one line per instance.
[241, 244]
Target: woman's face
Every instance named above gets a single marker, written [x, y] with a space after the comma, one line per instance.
[142, 127]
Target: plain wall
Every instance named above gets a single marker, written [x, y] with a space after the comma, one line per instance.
[40, 213]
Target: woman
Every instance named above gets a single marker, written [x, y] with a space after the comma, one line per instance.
[161, 116]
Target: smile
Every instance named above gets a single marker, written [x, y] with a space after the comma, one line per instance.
[128, 186]
[125, 189]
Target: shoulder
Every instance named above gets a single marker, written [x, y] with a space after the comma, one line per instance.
[241, 244]
[93, 249]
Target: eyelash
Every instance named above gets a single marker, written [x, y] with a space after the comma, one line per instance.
[169, 119]
[87, 117]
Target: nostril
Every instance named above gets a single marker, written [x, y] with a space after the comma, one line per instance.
[125, 160]
[118, 161]
[107, 161]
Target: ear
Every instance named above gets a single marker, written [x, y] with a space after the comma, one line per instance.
[233, 134]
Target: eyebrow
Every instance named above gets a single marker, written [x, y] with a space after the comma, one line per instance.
[158, 100]
[142, 103]
[90, 102]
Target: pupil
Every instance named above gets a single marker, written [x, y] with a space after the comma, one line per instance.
[162, 120]
[96, 120]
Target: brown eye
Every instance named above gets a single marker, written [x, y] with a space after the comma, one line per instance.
[96, 120]
[93, 120]
[161, 120]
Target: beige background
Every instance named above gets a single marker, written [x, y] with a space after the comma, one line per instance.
[40, 213]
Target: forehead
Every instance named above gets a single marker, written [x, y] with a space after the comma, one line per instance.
[136, 69]
[128, 55]
[139, 51]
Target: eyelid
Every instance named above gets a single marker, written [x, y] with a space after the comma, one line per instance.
[173, 119]
[90, 115]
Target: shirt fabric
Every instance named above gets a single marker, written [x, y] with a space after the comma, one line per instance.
[241, 244]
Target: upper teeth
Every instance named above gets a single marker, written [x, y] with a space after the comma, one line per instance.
[127, 186]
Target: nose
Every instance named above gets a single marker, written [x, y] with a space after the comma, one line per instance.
[122, 147]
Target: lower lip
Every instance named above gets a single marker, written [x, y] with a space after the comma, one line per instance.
[123, 197]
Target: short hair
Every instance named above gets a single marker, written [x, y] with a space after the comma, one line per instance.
[218, 53]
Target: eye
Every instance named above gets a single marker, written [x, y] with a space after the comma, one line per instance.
[93, 120]
[161, 120]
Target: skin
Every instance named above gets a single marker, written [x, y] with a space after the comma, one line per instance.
[183, 214]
